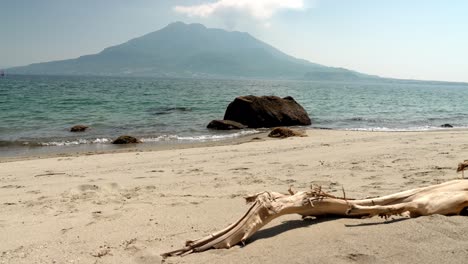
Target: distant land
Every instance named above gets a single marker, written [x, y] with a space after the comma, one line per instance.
[193, 51]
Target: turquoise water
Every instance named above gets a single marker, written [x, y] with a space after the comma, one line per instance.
[38, 110]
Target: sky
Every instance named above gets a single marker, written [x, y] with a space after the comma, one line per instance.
[410, 39]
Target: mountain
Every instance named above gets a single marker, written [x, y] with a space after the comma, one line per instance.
[192, 50]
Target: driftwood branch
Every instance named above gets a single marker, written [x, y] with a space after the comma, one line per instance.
[448, 198]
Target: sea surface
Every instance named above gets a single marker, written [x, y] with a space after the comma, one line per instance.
[38, 111]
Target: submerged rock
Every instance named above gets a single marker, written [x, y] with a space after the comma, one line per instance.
[284, 132]
[266, 111]
[446, 125]
[126, 140]
[78, 128]
[225, 125]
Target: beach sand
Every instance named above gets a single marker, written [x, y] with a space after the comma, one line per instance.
[131, 207]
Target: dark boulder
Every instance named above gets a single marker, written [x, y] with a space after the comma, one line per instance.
[126, 140]
[284, 132]
[78, 128]
[446, 125]
[266, 111]
[225, 125]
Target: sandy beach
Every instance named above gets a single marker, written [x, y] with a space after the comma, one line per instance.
[130, 207]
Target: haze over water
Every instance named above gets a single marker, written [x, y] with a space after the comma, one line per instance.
[38, 110]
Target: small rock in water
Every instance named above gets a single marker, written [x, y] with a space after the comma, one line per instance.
[446, 125]
[78, 128]
[126, 140]
[225, 125]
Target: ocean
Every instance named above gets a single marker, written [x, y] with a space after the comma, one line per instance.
[36, 112]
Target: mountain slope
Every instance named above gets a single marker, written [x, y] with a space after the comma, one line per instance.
[181, 50]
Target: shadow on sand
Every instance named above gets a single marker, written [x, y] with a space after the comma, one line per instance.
[296, 224]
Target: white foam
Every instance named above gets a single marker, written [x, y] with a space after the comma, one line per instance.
[162, 138]
[408, 129]
[76, 142]
[200, 137]
[101, 140]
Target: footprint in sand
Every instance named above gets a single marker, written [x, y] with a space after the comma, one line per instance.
[150, 188]
[12, 186]
[97, 193]
[251, 180]
[88, 187]
[289, 181]
[151, 171]
[147, 257]
[240, 168]
[49, 173]
[65, 230]
[104, 216]
[360, 258]
[324, 183]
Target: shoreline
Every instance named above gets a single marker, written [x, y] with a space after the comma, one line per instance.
[44, 152]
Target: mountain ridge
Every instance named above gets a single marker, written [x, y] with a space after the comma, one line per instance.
[192, 50]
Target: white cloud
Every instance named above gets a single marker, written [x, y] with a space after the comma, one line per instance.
[257, 9]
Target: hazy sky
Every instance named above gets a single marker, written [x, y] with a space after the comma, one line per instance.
[418, 39]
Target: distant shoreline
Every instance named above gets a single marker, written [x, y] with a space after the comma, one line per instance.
[387, 80]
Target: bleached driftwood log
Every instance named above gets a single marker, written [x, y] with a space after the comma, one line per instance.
[449, 198]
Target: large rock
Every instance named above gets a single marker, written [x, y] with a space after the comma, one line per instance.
[225, 125]
[126, 140]
[266, 111]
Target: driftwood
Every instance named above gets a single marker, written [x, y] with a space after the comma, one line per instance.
[462, 167]
[449, 198]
